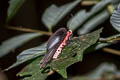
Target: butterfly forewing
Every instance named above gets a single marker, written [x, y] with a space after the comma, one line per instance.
[52, 45]
[56, 38]
[47, 58]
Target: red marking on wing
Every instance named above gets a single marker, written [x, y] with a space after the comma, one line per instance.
[58, 51]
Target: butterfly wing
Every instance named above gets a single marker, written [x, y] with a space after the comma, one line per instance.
[56, 38]
[47, 58]
[52, 45]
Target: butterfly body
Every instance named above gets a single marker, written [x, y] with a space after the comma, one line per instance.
[62, 45]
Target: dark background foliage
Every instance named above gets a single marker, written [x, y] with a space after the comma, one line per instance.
[29, 16]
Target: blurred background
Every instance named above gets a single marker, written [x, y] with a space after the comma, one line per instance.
[103, 63]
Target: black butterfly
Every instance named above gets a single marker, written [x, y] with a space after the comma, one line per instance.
[52, 45]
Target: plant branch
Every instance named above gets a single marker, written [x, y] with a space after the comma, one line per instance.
[29, 30]
[113, 51]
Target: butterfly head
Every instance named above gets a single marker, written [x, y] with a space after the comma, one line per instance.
[70, 32]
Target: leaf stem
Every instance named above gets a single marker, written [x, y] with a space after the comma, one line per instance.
[89, 2]
[113, 51]
[111, 38]
[29, 30]
[51, 72]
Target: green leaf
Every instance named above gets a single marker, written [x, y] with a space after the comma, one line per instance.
[77, 20]
[83, 16]
[74, 52]
[115, 3]
[32, 52]
[15, 42]
[54, 14]
[103, 42]
[94, 22]
[14, 6]
[34, 71]
[29, 54]
[115, 19]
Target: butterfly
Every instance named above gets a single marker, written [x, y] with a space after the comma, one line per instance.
[55, 44]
